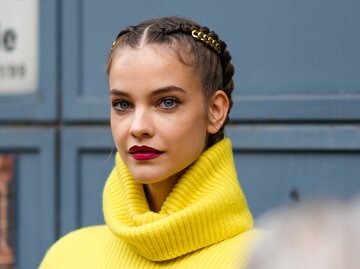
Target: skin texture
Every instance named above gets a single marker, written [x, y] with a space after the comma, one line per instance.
[158, 102]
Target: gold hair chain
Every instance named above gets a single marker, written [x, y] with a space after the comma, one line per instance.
[207, 39]
[113, 44]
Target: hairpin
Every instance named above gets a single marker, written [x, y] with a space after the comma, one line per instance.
[113, 44]
[205, 38]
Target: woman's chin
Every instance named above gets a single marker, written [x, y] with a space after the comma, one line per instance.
[146, 179]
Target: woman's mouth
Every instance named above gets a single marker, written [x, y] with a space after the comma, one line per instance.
[144, 153]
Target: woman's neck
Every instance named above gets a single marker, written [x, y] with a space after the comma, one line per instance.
[156, 193]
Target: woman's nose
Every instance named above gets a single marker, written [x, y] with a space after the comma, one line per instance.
[141, 125]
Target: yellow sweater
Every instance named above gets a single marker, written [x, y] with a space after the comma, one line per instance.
[204, 222]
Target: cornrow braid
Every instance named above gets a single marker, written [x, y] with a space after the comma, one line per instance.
[206, 53]
[228, 73]
[123, 32]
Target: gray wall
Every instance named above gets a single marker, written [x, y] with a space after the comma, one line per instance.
[295, 120]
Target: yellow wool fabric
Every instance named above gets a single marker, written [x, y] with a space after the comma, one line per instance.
[204, 222]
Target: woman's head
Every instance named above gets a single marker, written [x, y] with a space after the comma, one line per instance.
[208, 58]
[169, 102]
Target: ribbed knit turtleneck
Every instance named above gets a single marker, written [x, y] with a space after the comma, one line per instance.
[206, 206]
[203, 223]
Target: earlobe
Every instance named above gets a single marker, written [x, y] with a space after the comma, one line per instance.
[218, 110]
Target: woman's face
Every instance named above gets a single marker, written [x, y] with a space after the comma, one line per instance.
[158, 114]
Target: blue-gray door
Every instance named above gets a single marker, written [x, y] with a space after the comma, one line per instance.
[295, 120]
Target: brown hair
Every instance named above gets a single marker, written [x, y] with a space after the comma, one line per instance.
[213, 67]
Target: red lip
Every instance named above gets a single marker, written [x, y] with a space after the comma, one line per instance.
[143, 153]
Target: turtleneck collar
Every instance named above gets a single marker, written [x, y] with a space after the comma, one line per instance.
[206, 206]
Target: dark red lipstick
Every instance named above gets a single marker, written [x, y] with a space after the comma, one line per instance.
[144, 153]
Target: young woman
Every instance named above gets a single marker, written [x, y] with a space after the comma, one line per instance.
[172, 199]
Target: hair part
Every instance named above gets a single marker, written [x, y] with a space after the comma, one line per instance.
[213, 69]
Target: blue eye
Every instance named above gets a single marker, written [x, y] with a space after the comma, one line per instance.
[169, 102]
[121, 105]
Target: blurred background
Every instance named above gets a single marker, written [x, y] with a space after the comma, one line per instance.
[295, 123]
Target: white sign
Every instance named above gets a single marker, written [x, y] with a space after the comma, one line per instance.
[19, 39]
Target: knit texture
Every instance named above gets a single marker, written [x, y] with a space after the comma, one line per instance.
[204, 222]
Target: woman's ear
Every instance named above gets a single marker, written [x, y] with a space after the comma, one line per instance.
[218, 110]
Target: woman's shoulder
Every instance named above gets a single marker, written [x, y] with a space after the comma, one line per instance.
[244, 241]
[249, 235]
[74, 244]
[243, 244]
[79, 236]
[229, 253]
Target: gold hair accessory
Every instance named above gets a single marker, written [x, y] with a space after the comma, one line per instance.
[113, 44]
[207, 39]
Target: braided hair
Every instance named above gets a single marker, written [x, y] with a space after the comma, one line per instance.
[212, 66]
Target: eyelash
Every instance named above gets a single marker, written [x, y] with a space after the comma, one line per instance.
[169, 98]
[115, 103]
[118, 102]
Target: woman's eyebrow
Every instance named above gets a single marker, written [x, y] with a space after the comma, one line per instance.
[159, 91]
[168, 89]
[118, 92]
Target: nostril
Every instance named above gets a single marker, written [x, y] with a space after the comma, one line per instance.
[141, 127]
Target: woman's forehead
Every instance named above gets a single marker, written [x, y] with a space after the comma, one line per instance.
[152, 68]
[163, 50]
